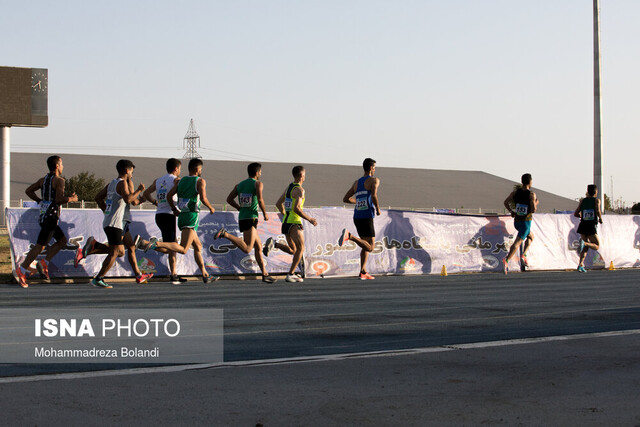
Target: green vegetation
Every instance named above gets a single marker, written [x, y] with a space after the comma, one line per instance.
[85, 185]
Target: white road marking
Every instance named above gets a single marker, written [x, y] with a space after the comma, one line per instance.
[308, 359]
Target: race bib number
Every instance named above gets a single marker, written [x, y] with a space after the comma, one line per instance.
[522, 210]
[245, 200]
[588, 214]
[288, 204]
[44, 207]
[183, 204]
[362, 204]
[162, 196]
[109, 204]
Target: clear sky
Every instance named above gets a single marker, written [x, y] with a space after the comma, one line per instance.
[501, 86]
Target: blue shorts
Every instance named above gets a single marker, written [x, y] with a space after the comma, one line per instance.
[523, 227]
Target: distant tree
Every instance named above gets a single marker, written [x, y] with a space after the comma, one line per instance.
[86, 185]
[607, 203]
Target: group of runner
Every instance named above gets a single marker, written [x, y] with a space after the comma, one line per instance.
[178, 201]
[522, 203]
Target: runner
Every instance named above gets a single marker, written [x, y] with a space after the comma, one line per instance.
[113, 200]
[290, 206]
[364, 194]
[525, 202]
[191, 191]
[588, 211]
[52, 191]
[249, 194]
[93, 247]
[165, 218]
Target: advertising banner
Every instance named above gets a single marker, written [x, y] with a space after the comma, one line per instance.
[406, 243]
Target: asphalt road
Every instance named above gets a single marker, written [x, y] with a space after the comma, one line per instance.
[394, 315]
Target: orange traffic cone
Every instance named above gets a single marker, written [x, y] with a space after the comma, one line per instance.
[444, 270]
[611, 267]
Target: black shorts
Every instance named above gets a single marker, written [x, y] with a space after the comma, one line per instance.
[114, 236]
[49, 228]
[364, 226]
[246, 224]
[167, 225]
[588, 228]
[286, 227]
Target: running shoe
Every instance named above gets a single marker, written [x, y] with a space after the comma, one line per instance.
[366, 276]
[43, 269]
[88, 247]
[100, 283]
[144, 278]
[293, 278]
[136, 241]
[219, 233]
[151, 244]
[505, 267]
[177, 280]
[299, 276]
[22, 277]
[524, 260]
[78, 258]
[210, 278]
[343, 237]
[580, 246]
[268, 246]
[581, 269]
[268, 279]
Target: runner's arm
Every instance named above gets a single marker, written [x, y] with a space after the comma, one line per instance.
[533, 198]
[280, 204]
[298, 208]
[61, 199]
[578, 212]
[202, 191]
[348, 198]
[170, 195]
[259, 187]
[148, 194]
[507, 203]
[374, 194]
[231, 198]
[598, 211]
[100, 197]
[31, 190]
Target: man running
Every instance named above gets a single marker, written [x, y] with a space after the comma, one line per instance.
[590, 214]
[52, 191]
[93, 247]
[165, 217]
[525, 202]
[364, 194]
[113, 200]
[191, 191]
[249, 194]
[290, 206]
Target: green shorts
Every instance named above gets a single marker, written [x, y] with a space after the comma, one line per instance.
[188, 220]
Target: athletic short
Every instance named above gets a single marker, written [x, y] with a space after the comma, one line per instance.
[167, 225]
[523, 227]
[246, 224]
[588, 228]
[114, 236]
[189, 220]
[49, 228]
[286, 227]
[364, 226]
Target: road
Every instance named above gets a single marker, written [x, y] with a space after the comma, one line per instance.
[484, 332]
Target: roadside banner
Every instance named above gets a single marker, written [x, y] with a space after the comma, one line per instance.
[407, 242]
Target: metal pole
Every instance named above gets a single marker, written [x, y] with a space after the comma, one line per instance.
[5, 176]
[597, 115]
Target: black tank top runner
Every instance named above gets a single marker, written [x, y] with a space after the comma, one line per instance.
[49, 209]
[522, 200]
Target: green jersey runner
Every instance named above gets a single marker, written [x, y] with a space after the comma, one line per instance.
[188, 203]
[247, 199]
